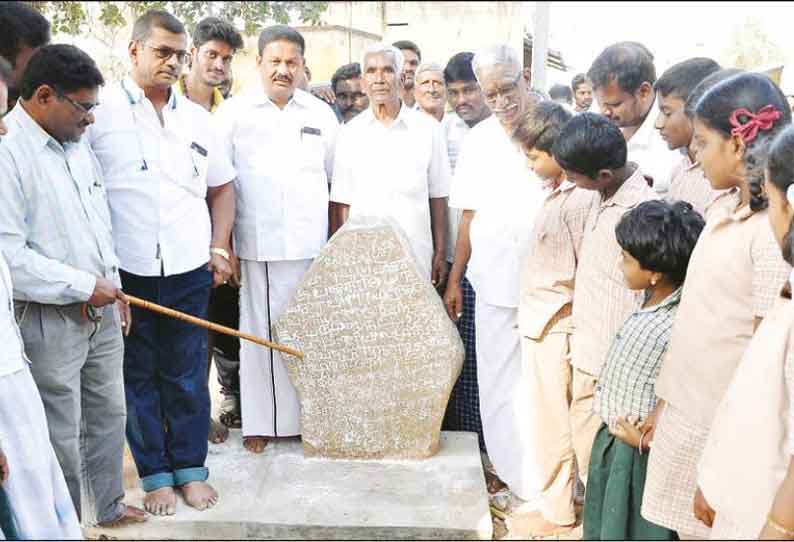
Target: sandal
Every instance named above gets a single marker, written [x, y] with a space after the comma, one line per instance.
[230, 414]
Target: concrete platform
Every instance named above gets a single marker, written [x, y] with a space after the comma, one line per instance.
[280, 494]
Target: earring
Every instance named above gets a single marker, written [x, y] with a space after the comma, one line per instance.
[653, 281]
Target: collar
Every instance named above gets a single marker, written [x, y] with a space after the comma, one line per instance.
[32, 129]
[630, 191]
[406, 116]
[181, 88]
[564, 187]
[135, 95]
[646, 133]
[689, 165]
[300, 97]
[672, 299]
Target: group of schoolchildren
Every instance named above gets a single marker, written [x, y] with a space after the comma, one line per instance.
[684, 428]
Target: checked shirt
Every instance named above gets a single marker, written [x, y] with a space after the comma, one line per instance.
[626, 386]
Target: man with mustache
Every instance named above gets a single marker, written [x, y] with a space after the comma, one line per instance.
[172, 204]
[412, 56]
[499, 199]
[280, 140]
[430, 91]
[623, 76]
[67, 294]
[464, 97]
[214, 44]
[346, 84]
[391, 161]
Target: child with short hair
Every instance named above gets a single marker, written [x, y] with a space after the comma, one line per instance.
[656, 239]
[554, 388]
[675, 126]
[592, 151]
[734, 277]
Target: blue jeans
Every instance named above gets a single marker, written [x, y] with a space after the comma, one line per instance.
[165, 380]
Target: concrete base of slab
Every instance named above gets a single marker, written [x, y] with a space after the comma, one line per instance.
[280, 494]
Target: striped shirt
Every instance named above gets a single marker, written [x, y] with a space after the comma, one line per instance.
[549, 268]
[626, 386]
[688, 183]
[601, 299]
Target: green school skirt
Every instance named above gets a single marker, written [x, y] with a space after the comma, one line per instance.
[7, 524]
[615, 483]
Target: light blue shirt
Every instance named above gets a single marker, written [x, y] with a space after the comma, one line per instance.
[55, 229]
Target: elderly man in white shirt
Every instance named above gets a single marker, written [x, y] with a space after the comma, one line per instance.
[163, 167]
[391, 160]
[623, 76]
[499, 198]
[430, 91]
[280, 140]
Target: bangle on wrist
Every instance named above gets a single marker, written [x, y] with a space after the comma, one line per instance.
[776, 526]
[221, 252]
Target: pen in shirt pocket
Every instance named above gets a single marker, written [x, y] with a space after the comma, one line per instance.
[310, 131]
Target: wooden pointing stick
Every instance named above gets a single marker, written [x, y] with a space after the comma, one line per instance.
[154, 307]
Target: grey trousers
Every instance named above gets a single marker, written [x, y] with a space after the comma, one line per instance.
[77, 366]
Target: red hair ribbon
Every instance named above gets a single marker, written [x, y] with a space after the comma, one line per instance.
[763, 120]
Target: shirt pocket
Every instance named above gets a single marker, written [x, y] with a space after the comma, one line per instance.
[311, 152]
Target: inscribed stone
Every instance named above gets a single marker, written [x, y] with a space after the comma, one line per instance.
[381, 354]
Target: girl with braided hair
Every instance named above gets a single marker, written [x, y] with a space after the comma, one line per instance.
[735, 275]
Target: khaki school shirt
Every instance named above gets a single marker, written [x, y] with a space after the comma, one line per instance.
[735, 274]
[549, 268]
[601, 299]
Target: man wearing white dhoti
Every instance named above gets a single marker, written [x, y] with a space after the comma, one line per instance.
[500, 199]
[280, 141]
[391, 161]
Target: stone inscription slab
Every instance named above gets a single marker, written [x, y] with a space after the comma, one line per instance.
[381, 354]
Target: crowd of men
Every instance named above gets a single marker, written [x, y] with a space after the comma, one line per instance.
[166, 187]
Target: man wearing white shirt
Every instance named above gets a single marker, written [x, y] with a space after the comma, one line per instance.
[464, 96]
[499, 199]
[280, 141]
[56, 237]
[163, 167]
[623, 76]
[390, 161]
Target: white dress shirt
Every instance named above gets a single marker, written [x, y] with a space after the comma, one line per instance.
[647, 149]
[55, 228]
[393, 171]
[283, 159]
[492, 178]
[12, 355]
[157, 177]
[454, 130]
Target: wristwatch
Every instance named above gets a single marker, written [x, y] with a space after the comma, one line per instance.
[221, 252]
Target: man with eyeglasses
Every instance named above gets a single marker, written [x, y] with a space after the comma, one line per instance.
[58, 242]
[499, 199]
[164, 168]
[464, 97]
[215, 42]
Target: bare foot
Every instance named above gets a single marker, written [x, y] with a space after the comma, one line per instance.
[255, 444]
[218, 432]
[160, 502]
[199, 495]
[533, 524]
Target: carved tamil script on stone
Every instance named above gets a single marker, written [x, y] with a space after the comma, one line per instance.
[381, 355]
